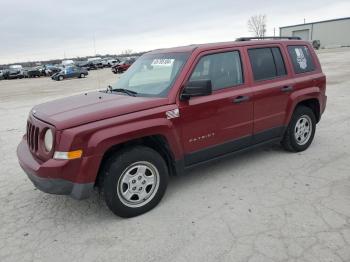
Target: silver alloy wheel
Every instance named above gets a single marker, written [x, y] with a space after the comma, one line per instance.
[138, 184]
[303, 130]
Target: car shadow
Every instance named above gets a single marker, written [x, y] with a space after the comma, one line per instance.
[95, 209]
[213, 167]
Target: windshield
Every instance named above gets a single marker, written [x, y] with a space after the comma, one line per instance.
[153, 74]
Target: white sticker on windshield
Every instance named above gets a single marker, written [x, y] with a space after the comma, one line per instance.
[163, 62]
[301, 58]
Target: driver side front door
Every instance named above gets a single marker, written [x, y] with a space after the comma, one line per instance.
[222, 122]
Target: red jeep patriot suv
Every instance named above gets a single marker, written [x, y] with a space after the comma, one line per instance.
[172, 110]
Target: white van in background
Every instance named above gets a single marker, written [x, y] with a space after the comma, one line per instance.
[67, 62]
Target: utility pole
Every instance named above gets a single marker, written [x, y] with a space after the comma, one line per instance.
[94, 43]
[304, 21]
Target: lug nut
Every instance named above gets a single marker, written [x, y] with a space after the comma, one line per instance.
[140, 177]
[134, 188]
[140, 188]
[134, 181]
[143, 182]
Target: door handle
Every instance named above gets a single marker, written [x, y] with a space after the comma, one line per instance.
[287, 88]
[240, 99]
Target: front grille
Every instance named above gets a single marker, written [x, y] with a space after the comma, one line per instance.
[32, 136]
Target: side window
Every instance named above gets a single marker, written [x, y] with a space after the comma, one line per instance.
[223, 69]
[301, 59]
[267, 63]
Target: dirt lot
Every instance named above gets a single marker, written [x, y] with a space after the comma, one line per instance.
[264, 205]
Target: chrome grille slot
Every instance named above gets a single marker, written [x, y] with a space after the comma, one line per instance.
[32, 136]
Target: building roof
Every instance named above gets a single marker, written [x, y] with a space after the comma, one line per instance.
[318, 22]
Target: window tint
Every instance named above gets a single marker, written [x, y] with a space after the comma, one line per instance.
[223, 69]
[267, 63]
[301, 59]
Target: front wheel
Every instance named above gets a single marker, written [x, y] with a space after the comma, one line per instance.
[82, 75]
[300, 131]
[134, 181]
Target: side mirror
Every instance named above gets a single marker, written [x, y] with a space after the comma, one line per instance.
[196, 88]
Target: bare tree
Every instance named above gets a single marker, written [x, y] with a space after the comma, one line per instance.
[257, 25]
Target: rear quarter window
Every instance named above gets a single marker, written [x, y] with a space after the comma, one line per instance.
[267, 63]
[301, 59]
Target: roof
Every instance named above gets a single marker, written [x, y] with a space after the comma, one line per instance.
[219, 45]
[318, 22]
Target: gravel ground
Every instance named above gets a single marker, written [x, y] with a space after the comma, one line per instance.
[263, 205]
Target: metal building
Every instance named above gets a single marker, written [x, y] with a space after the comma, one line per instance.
[330, 33]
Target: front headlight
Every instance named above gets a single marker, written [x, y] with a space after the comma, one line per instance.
[48, 140]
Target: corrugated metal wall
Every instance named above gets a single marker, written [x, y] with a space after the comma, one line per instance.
[330, 33]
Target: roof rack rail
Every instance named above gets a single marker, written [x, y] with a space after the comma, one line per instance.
[268, 37]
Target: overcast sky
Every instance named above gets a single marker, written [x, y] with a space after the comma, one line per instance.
[36, 30]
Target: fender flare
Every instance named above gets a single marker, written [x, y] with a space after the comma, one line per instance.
[101, 141]
[299, 96]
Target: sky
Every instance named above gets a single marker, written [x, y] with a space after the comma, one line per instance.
[40, 30]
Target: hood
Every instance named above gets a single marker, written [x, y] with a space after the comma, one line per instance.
[85, 108]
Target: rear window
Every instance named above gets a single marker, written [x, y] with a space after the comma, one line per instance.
[267, 63]
[301, 59]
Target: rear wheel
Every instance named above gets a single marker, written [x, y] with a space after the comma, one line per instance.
[82, 75]
[134, 181]
[60, 78]
[300, 131]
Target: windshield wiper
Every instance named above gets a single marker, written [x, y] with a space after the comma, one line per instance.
[122, 90]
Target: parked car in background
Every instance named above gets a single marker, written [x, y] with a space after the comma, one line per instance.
[104, 62]
[70, 72]
[50, 70]
[5, 73]
[97, 64]
[88, 65]
[91, 63]
[67, 63]
[122, 66]
[113, 62]
[82, 64]
[14, 72]
[32, 72]
[2, 74]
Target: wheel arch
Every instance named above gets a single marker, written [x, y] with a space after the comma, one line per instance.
[309, 97]
[314, 105]
[158, 142]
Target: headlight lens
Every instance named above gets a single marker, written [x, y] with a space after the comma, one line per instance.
[48, 140]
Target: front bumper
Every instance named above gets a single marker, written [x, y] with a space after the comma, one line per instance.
[38, 173]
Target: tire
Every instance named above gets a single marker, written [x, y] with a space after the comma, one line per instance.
[60, 78]
[82, 75]
[120, 172]
[300, 131]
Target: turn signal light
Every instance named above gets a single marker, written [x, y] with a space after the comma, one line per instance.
[68, 155]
